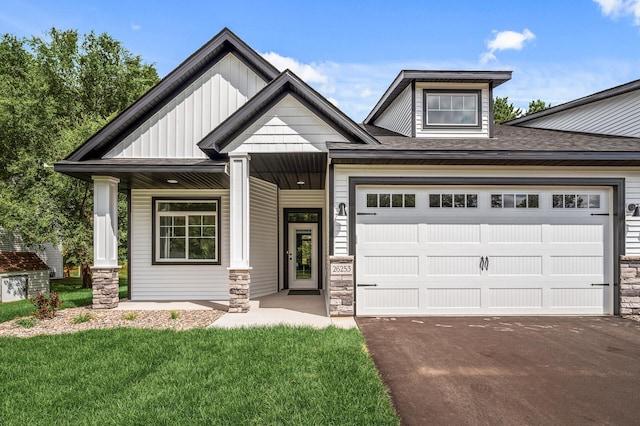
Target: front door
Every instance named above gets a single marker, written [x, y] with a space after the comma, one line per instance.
[302, 256]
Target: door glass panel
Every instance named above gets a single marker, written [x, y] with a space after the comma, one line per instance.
[304, 245]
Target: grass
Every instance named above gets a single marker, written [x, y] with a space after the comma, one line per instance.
[80, 318]
[258, 376]
[71, 293]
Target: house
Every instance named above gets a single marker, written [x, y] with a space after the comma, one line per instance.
[22, 275]
[48, 252]
[243, 181]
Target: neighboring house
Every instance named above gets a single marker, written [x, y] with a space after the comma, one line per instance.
[22, 275]
[49, 253]
[243, 181]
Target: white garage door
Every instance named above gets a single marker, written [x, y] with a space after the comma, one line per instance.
[483, 251]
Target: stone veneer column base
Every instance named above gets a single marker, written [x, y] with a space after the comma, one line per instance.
[630, 285]
[341, 286]
[239, 281]
[105, 287]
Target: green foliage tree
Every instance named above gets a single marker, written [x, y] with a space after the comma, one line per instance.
[55, 92]
[537, 105]
[504, 111]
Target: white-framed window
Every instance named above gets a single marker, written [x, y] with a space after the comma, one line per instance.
[186, 230]
[517, 201]
[391, 200]
[452, 108]
[576, 201]
[453, 200]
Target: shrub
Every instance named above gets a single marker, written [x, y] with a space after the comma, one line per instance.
[80, 318]
[46, 307]
[175, 315]
[26, 322]
[130, 316]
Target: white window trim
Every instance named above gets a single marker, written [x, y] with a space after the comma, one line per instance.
[425, 108]
[157, 260]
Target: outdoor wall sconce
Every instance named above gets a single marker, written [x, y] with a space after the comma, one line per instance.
[342, 209]
[634, 209]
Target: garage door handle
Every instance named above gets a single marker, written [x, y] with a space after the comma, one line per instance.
[366, 214]
[367, 285]
[484, 263]
[602, 284]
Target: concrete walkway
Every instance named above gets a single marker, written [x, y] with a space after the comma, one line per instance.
[275, 309]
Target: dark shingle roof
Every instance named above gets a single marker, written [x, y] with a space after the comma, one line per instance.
[506, 138]
[11, 261]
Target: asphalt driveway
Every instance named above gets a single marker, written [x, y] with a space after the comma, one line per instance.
[509, 370]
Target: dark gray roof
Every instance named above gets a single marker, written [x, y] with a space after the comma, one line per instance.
[158, 96]
[287, 83]
[509, 143]
[614, 91]
[405, 77]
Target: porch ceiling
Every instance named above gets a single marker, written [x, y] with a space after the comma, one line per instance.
[287, 169]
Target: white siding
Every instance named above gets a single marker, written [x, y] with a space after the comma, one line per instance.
[397, 117]
[342, 174]
[612, 116]
[174, 131]
[263, 210]
[305, 198]
[482, 132]
[288, 126]
[175, 282]
[50, 254]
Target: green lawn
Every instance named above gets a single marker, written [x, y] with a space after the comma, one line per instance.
[71, 293]
[255, 376]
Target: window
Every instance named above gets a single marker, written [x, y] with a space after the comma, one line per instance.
[391, 200]
[186, 231]
[453, 200]
[452, 109]
[576, 201]
[518, 201]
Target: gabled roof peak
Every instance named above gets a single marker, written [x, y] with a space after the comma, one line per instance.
[188, 71]
[406, 77]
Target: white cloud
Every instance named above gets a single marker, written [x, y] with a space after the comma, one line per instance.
[617, 8]
[135, 27]
[505, 40]
[310, 73]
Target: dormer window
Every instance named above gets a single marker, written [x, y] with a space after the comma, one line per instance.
[452, 108]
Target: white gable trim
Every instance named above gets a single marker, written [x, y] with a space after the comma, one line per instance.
[175, 130]
[288, 126]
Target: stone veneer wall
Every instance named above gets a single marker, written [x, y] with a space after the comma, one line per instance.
[629, 285]
[105, 287]
[341, 286]
[239, 280]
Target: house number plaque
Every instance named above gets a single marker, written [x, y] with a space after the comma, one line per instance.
[340, 269]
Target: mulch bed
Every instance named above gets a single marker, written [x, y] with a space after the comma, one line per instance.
[63, 322]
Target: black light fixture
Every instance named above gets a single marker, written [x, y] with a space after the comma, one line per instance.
[342, 209]
[634, 208]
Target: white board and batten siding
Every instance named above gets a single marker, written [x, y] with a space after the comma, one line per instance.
[288, 126]
[444, 132]
[616, 115]
[263, 246]
[397, 116]
[175, 282]
[175, 130]
[303, 198]
[632, 231]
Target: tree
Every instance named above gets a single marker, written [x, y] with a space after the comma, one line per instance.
[504, 111]
[55, 92]
[537, 105]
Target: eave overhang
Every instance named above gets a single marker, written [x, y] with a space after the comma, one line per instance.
[287, 83]
[405, 77]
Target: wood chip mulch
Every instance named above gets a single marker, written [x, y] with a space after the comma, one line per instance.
[63, 322]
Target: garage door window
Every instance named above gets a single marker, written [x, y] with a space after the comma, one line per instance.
[518, 201]
[576, 201]
[453, 200]
[391, 200]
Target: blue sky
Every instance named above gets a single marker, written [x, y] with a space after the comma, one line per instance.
[350, 51]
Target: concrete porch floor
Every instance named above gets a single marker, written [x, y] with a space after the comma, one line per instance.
[275, 309]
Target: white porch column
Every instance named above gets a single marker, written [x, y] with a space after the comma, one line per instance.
[239, 269]
[105, 242]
